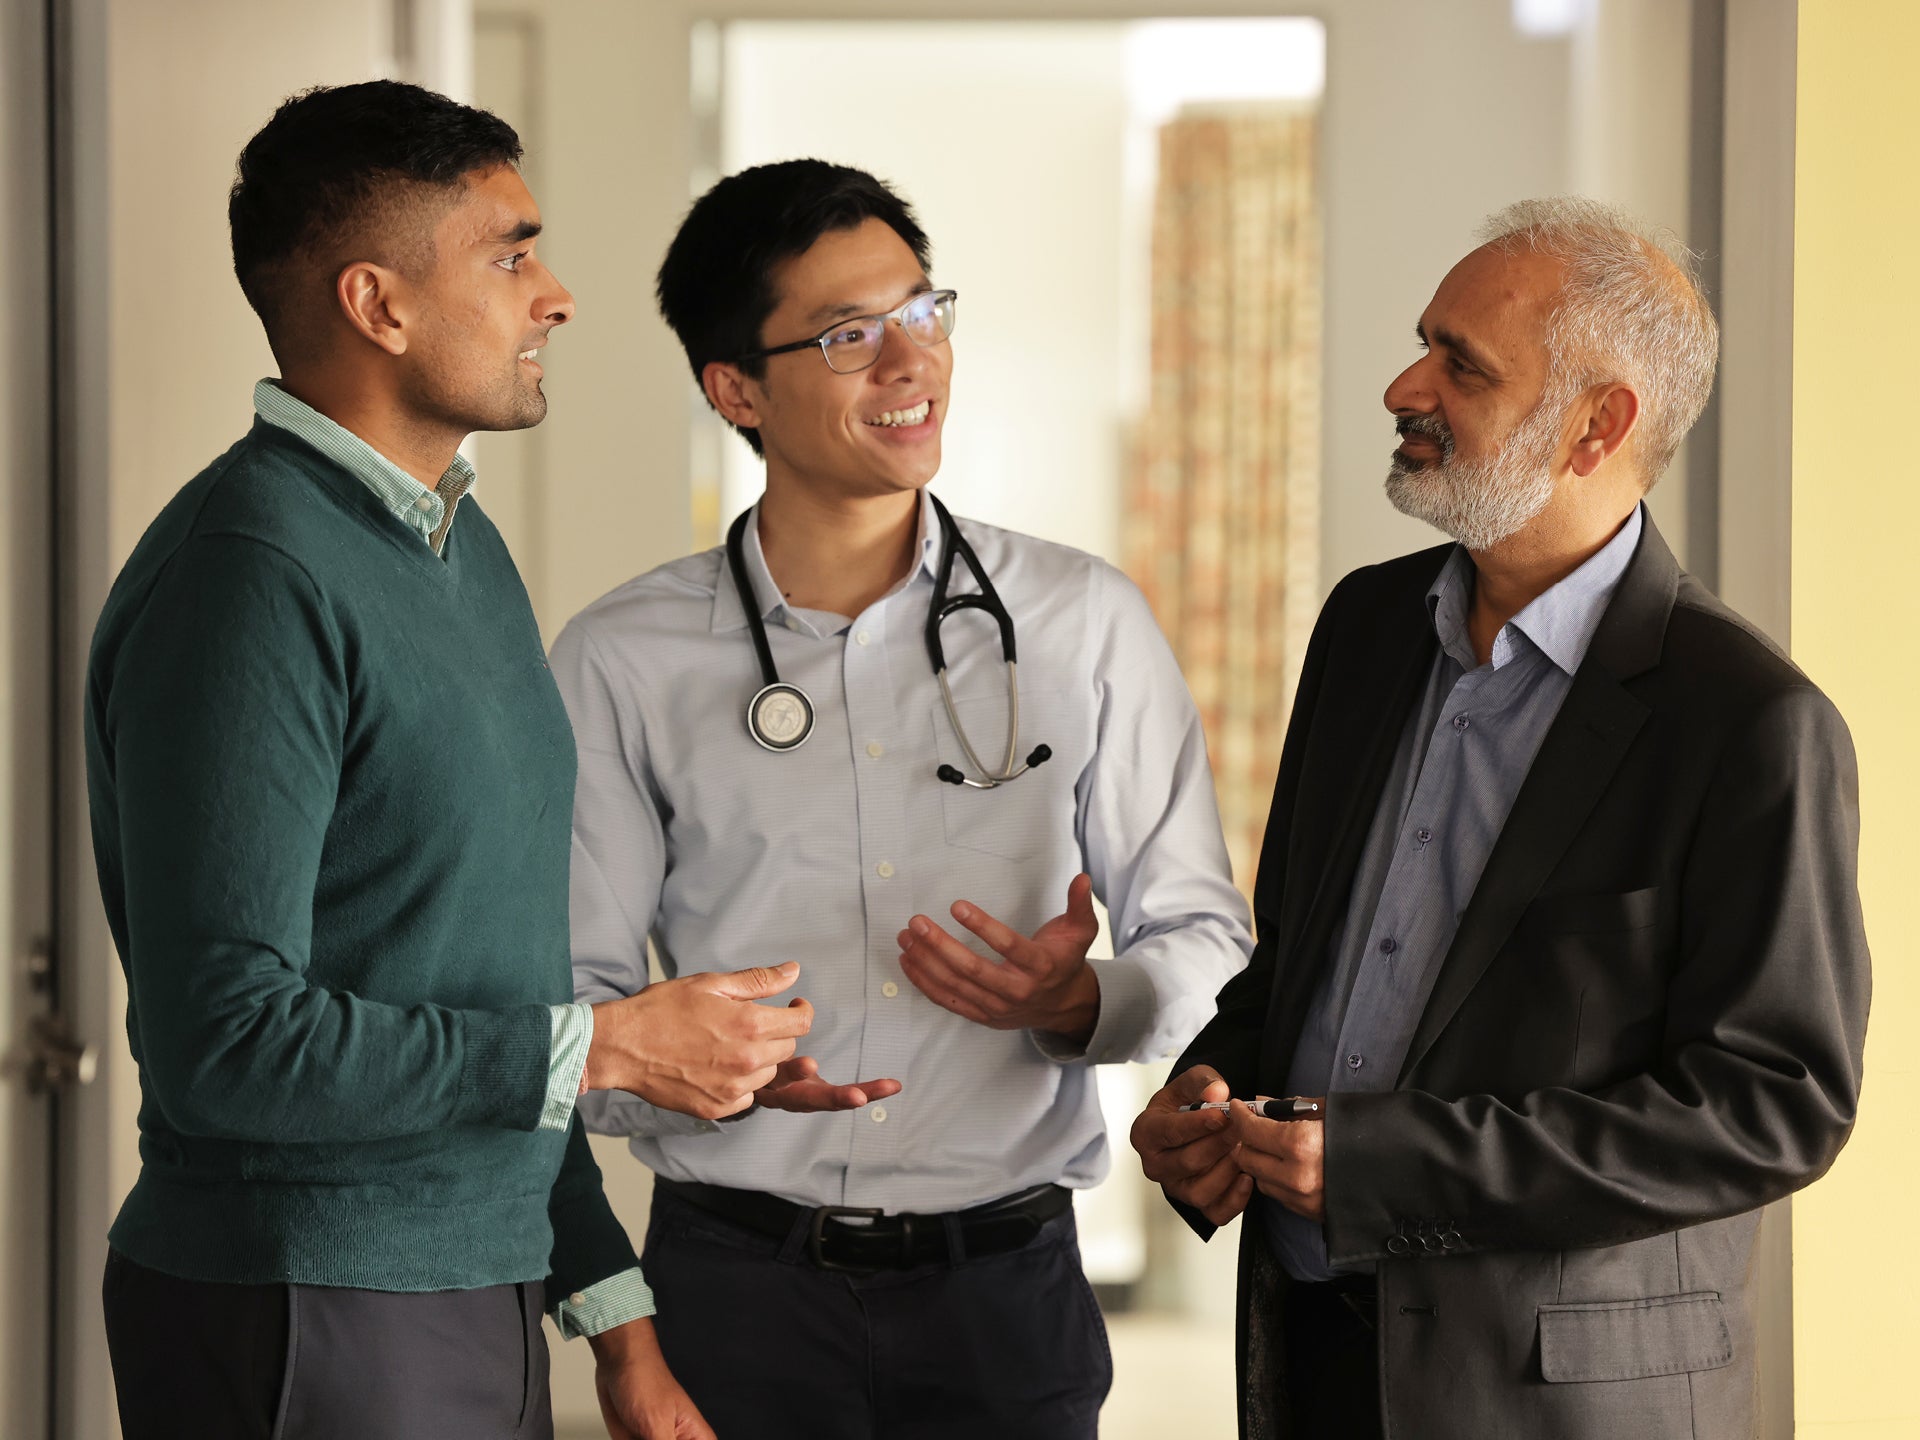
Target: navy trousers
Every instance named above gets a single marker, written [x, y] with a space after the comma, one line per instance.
[771, 1347]
[307, 1362]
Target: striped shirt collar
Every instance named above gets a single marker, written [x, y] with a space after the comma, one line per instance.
[1560, 622]
[428, 513]
[727, 614]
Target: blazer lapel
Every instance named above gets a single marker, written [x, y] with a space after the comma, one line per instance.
[1583, 747]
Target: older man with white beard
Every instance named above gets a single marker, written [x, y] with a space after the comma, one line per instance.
[1557, 911]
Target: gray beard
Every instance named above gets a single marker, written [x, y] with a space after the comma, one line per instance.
[1482, 503]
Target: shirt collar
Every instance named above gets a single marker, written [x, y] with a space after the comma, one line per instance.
[727, 614]
[426, 512]
[1560, 622]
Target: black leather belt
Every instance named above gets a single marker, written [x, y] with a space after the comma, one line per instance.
[883, 1241]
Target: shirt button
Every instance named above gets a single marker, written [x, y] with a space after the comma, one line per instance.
[884, 869]
[1354, 1062]
[576, 1298]
[1460, 722]
[876, 749]
[879, 1113]
[861, 637]
[1423, 835]
[889, 989]
[424, 504]
[1389, 945]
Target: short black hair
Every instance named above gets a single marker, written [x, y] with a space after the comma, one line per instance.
[716, 285]
[335, 160]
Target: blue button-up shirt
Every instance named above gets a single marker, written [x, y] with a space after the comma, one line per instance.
[1465, 751]
[729, 855]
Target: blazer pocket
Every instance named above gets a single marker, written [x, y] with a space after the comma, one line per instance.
[1591, 914]
[1634, 1339]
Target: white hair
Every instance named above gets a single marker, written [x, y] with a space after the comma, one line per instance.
[1631, 312]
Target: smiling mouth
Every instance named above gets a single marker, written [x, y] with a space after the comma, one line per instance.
[902, 419]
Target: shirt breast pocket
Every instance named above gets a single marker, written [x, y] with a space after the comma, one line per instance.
[1022, 819]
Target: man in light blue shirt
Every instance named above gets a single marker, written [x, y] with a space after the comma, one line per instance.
[770, 771]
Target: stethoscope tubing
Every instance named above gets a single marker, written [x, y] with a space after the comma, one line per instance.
[953, 544]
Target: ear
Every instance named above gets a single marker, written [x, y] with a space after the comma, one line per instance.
[375, 303]
[1610, 420]
[731, 393]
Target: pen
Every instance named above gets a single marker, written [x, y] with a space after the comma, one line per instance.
[1290, 1107]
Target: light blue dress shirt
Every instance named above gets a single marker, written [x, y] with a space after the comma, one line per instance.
[429, 514]
[1465, 752]
[730, 856]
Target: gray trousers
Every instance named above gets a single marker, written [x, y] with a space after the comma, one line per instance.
[307, 1362]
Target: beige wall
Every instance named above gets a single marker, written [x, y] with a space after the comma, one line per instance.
[1855, 614]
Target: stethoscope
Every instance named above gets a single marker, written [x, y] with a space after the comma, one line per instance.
[780, 715]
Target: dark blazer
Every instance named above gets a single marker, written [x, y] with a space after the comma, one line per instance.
[1648, 1026]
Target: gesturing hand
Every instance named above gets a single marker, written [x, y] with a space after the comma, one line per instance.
[1044, 984]
[1191, 1153]
[697, 1044]
[1285, 1158]
[798, 1087]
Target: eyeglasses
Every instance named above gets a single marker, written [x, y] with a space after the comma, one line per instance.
[852, 345]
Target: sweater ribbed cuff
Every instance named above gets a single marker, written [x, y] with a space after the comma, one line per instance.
[504, 1073]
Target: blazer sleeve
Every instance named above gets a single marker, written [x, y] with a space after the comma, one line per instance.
[1758, 1074]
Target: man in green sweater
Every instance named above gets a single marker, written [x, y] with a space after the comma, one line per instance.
[331, 784]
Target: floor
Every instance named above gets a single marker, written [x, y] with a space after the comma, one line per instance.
[1171, 1377]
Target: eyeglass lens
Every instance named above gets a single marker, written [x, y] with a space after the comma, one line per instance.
[927, 319]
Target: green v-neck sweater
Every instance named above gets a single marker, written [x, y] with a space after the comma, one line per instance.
[331, 784]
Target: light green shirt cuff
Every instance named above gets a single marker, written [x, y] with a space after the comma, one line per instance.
[614, 1301]
[572, 1037]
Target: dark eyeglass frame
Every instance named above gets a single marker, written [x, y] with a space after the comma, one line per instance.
[948, 298]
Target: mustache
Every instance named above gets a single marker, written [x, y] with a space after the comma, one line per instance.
[1426, 427]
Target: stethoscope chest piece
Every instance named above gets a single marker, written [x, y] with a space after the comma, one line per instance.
[780, 717]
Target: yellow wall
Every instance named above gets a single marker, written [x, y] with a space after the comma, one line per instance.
[1856, 630]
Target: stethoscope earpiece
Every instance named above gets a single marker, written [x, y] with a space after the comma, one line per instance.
[780, 715]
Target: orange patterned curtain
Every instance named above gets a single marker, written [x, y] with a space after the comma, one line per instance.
[1222, 517]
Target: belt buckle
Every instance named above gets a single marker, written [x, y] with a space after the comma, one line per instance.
[817, 1230]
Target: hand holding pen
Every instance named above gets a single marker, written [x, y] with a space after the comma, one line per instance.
[1285, 1158]
[1190, 1152]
